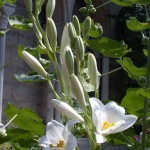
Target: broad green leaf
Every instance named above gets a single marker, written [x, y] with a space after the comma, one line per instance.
[32, 51]
[123, 2]
[142, 2]
[29, 78]
[26, 119]
[134, 25]
[20, 23]
[2, 2]
[131, 69]
[95, 30]
[45, 63]
[109, 47]
[144, 92]
[132, 102]
[11, 1]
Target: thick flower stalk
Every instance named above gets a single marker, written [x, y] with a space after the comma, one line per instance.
[66, 110]
[58, 136]
[34, 64]
[109, 119]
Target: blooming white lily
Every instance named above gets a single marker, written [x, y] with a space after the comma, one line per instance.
[2, 130]
[58, 136]
[109, 119]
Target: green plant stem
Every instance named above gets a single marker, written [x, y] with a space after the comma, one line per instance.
[148, 86]
[111, 71]
[53, 90]
[103, 4]
[9, 63]
[122, 134]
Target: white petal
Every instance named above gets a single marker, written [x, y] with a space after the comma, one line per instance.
[113, 129]
[72, 142]
[114, 112]
[54, 132]
[43, 141]
[46, 148]
[129, 121]
[100, 138]
[66, 109]
[70, 124]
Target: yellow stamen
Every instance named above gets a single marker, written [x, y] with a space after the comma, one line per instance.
[107, 125]
[61, 144]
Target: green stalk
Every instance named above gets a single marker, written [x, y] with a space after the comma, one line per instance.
[9, 63]
[103, 5]
[148, 86]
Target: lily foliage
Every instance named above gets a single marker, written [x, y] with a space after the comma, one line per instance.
[77, 72]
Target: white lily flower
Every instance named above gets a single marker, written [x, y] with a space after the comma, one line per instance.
[2, 130]
[58, 136]
[66, 109]
[109, 119]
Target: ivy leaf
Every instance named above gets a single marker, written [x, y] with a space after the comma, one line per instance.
[144, 92]
[95, 30]
[20, 23]
[123, 2]
[134, 25]
[133, 102]
[26, 119]
[109, 47]
[128, 65]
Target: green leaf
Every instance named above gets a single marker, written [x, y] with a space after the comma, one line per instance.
[109, 47]
[11, 1]
[132, 102]
[134, 25]
[123, 2]
[2, 2]
[25, 78]
[20, 23]
[142, 2]
[95, 30]
[26, 119]
[145, 51]
[45, 63]
[128, 65]
[144, 92]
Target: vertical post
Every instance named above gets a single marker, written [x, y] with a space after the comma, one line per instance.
[5, 12]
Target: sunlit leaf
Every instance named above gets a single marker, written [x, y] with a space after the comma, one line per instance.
[142, 2]
[134, 25]
[2, 2]
[123, 2]
[11, 1]
[19, 22]
[26, 119]
[145, 51]
[144, 92]
[109, 47]
[133, 102]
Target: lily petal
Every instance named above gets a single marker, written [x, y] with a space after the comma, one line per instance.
[72, 142]
[43, 141]
[100, 138]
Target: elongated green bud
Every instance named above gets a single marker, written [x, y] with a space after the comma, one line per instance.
[69, 61]
[76, 24]
[92, 70]
[79, 48]
[77, 90]
[50, 8]
[52, 33]
[86, 26]
[72, 34]
[66, 110]
[28, 4]
[34, 64]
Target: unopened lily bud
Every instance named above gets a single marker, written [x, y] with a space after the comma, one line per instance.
[72, 34]
[79, 48]
[66, 110]
[86, 26]
[77, 90]
[92, 70]
[52, 33]
[34, 64]
[28, 4]
[76, 24]
[50, 8]
[69, 58]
